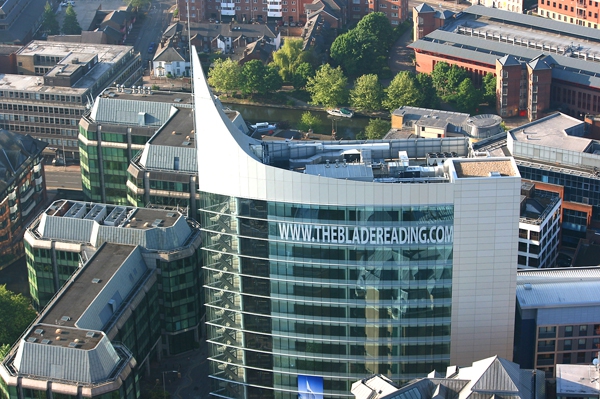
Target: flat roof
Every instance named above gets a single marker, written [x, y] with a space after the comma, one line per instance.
[470, 168]
[143, 218]
[35, 84]
[551, 131]
[577, 380]
[178, 131]
[83, 290]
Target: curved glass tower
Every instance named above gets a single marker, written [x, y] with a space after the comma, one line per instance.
[328, 262]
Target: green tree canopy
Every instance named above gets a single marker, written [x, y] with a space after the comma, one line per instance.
[49, 22]
[17, 313]
[225, 76]
[367, 93]
[309, 121]
[468, 97]
[489, 89]
[301, 75]
[377, 24]
[364, 49]
[446, 79]
[70, 24]
[328, 86]
[403, 91]
[429, 95]
[289, 57]
[260, 79]
[376, 129]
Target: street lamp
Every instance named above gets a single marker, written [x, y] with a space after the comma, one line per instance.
[163, 375]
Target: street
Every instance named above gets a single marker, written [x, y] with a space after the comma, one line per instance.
[63, 177]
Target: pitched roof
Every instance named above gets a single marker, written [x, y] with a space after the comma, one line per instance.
[508, 60]
[423, 7]
[15, 150]
[168, 53]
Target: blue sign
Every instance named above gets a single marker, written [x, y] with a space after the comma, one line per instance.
[310, 387]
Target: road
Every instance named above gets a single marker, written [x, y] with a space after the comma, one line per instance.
[63, 177]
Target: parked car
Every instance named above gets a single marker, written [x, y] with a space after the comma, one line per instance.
[151, 48]
[67, 3]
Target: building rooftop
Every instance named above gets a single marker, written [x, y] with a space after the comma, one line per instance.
[485, 34]
[15, 150]
[577, 380]
[484, 168]
[108, 57]
[95, 224]
[536, 204]
[553, 288]
[553, 131]
[77, 296]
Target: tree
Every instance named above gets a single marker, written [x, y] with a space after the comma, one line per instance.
[49, 22]
[429, 95]
[225, 75]
[455, 76]
[403, 91]
[446, 79]
[301, 75]
[367, 93]
[16, 315]
[328, 86]
[468, 97]
[365, 48]
[439, 77]
[289, 57]
[377, 24]
[136, 4]
[309, 121]
[376, 129]
[260, 79]
[70, 24]
[489, 89]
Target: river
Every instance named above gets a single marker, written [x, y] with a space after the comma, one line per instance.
[346, 128]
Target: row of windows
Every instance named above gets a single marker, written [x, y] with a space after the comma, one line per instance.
[41, 97]
[38, 119]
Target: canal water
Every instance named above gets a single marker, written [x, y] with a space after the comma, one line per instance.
[346, 128]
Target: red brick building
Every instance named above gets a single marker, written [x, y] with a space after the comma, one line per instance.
[538, 65]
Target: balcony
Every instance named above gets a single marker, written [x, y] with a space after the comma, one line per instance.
[37, 167]
[29, 209]
[274, 8]
[228, 6]
[26, 195]
[276, 14]
[39, 181]
[227, 12]
[12, 195]
[13, 209]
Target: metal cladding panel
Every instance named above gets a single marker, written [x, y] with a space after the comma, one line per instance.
[568, 315]
[119, 235]
[127, 112]
[117, 288]
[559, 294]
[69, 229]
[163, 157]
[166, 238]
[72, 364]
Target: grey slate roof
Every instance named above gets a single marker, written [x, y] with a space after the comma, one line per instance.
[24, 22]
[508, 60]
[15, 150]
[424, 7]
[168, 54]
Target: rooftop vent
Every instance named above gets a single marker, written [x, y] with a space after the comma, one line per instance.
[157, 222]
[171, 214]
[90, 334]
[527, 286]
[73, 344]
[39, 331]
[58, 331]
[95, 281]
[31, 339]
[45, 341]
[186, 143]
[65, 318]
[495, 174]
[178, 100]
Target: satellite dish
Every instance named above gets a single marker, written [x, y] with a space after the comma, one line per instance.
[595, 362]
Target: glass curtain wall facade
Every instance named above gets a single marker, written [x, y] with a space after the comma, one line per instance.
[295, 290]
